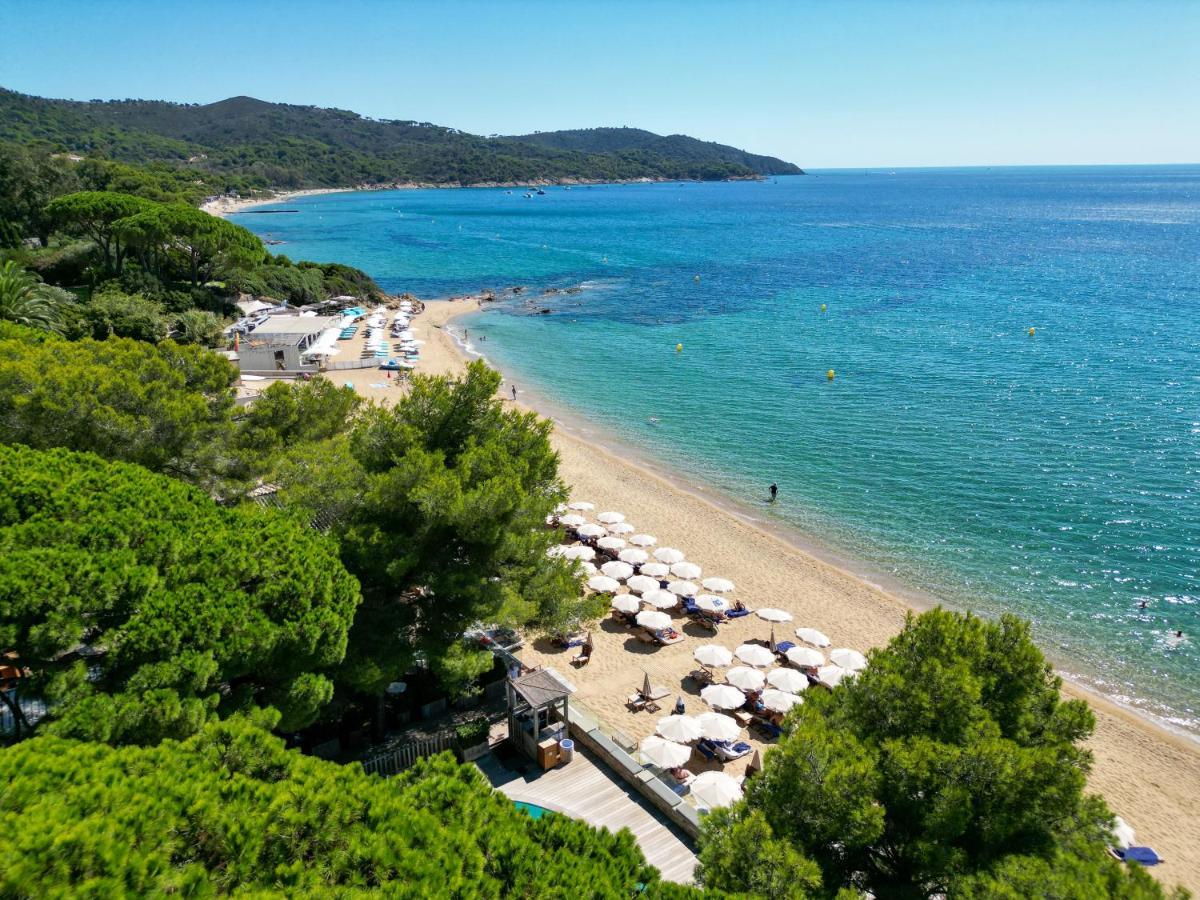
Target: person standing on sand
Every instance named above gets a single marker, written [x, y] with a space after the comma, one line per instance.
[514, 392]
[774, 491]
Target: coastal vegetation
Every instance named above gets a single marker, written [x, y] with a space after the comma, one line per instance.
[243, 143]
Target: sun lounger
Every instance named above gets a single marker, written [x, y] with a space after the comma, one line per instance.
[783, 647]
[706, 749]
[667, 636]
[728, 752]
[701, 676]
[737, 613]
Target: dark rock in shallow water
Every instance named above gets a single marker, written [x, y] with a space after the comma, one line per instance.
[518, 289]
[543, 311]
[574, 290]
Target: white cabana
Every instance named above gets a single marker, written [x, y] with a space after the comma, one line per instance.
[625, 603]
[640, 584]
[788, 680]
[633, 555]
[712, 655]
[581, 505]
[755, 655]
[709, 603]
[746, 679]
[685, 569]
[660, 598]
[806, 657]
[831, 676]
[722, 696]
[665, 754]
[848, 659]
[668, 555]
[779, 701]
[579, 553]
[679, 728]
[643, 540]
[683, 588]
[656, 570]
[617, 570]
[814, 637]
[718, 726]
[590, 530]
[714, 790]
[603, 584]
[610, 518]
[773, 615]
[718, 585]
[620, 528]
[610, 543]
[654, 620]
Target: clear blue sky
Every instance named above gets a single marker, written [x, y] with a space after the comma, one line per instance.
[823, 84]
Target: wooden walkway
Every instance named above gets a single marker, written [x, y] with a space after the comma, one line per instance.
[586, 790]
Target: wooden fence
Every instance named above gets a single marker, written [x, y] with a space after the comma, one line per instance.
[395, 761]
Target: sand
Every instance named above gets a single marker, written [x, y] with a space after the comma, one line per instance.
[224, 206]
[1150, 776]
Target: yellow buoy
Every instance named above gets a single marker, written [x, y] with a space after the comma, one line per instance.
[830, 374]
[824, 307]
[1032, 332]
[678, 348]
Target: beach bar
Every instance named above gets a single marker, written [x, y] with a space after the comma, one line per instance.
[537, 717]
[278, 344]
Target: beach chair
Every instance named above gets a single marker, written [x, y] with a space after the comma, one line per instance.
[584, 657]
[737, 613]
[667, 636]
[728, 752]
[635, 702]
[701, 676]
[782, 647]
[706, 749]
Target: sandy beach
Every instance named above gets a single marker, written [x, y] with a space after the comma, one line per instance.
[224, 206]
[1150, 777]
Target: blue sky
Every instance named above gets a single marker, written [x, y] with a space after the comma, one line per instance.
[823, 84]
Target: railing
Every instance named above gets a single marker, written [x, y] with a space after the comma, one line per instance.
[396, 761]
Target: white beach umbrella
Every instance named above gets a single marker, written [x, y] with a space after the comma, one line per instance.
[806, 657]
[683, 588]
[640, 584]
[665, 754]
[660, 598]
[1123, 833]
[610, 518]
[788, 680]
[687, 570]
[656, 570]
[712, 655]
[643, 540]
[668, 555]
[603, 584]
[746, 678]
[585, 567]
[755, 655]
[625, 603]
[814, 637]
[620, 528]
[848, 659]
[590, 530]
[579, 553]
[773, 615]
[714, 790]
[610, 543]
[633, 555]
[617, 570]
[649, 618]
[709, 603]
[831, 676]
[779, 701]
[718, 726]
[581, 505]
[722, 696]
[718, 585]
[679, 728]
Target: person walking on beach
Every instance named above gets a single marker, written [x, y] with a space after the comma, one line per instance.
[774, 491]
[514, 392]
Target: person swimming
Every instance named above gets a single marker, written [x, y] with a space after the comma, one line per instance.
[774, 491]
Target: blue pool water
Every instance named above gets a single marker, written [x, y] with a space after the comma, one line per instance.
[1055, 475]
[535, 812]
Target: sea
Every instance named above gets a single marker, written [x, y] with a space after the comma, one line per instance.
[981, 383]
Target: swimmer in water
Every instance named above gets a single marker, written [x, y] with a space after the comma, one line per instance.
[653, 420]
[1142, 605]
[774, 491]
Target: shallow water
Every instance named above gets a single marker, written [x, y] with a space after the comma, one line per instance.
[1055, 475]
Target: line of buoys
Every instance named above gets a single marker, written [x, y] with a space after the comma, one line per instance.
[831, 374]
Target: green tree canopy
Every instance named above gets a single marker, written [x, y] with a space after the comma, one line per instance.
[165, 234]
[113, 313]
[231, 811]
[440, 505]
[95, 214]
[198, 326]
[30, 177]
[165, 407]
[951, 764]
[141, 609]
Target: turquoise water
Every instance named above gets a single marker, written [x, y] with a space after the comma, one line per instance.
[1055, 475]
[535, 812]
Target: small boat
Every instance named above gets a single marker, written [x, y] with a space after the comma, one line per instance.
[528, 196]
[541, 193]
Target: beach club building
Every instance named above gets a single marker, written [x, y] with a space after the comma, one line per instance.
[285, 344]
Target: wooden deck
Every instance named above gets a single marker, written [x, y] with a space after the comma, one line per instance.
[584, 789]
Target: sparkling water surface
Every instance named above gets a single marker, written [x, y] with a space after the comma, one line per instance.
[1056, 475]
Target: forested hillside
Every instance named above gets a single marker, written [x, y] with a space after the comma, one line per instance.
[275, 145]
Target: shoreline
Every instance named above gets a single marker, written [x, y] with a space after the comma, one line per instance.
[1147, 772]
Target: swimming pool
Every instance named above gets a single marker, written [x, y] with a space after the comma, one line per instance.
[535, 812]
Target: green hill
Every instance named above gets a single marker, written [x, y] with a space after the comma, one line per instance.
[277, 145]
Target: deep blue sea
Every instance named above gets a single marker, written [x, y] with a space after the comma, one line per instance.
[1056, 475]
